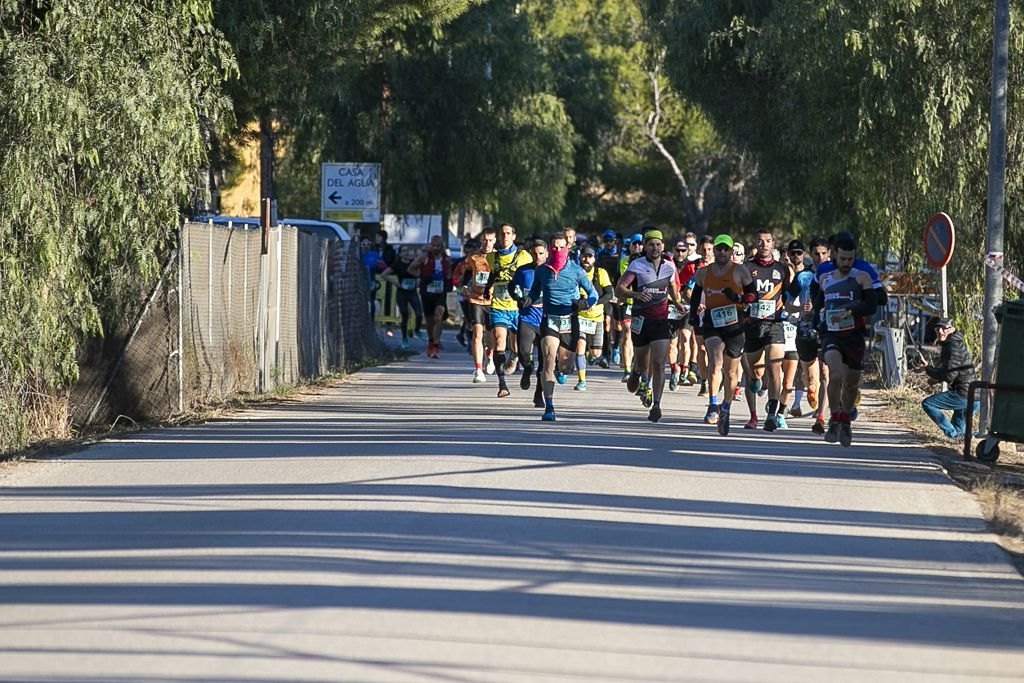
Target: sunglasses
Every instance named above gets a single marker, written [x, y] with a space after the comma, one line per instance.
[681, 249]
[691, 244]
[722, 247]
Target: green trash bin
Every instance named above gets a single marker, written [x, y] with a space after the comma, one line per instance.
[1008, 407]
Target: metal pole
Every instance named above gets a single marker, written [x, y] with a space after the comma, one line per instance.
[996, 199]
[945, 293]
[181, 319]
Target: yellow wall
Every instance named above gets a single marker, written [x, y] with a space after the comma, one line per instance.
[243, 197]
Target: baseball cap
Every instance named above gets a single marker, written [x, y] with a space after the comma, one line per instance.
[608, 234]
[653, 235]
[724, 239]
[587, 251]
[637, 237]
[796, 245]
[943, 323]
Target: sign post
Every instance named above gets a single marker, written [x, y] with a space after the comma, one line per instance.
[939, 239]
[350, 192]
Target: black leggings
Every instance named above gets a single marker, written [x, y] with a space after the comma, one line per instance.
[405, 299]
[528, 338]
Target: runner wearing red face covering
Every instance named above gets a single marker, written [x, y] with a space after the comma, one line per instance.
[558, 283]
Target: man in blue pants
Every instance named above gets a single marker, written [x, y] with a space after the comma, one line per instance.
[956, 368]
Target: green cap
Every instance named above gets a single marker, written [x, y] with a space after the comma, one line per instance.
[653, 235]
[724, 239]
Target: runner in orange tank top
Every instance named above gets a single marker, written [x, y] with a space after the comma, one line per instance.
[724, 285]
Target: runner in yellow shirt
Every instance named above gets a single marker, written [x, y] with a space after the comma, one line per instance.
[592, 319]
[503, 263]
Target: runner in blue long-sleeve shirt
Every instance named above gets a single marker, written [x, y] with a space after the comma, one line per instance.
[558, 283]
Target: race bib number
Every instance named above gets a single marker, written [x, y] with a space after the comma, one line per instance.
[435, 287]
[500, 291]
[790, 331]
[481, 278]
[407, 283]
[637, 326]
[839, 320]
[588, 326]
[560, 323]
[763, 310]
[723, 316]
[629, 310]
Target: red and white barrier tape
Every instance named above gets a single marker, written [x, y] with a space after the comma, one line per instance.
[994, 261]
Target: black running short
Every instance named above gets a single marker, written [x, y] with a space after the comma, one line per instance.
[807, 348]
[731, 335]
[565, 327]
[650, 330]
[850, 346]
[480, 315]
[761, 333]
[431, 302]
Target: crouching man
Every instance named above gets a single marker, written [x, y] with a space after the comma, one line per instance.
[954, 367]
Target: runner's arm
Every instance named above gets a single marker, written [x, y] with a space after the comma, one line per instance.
[588, 287]
[417, 265]
[622, 289]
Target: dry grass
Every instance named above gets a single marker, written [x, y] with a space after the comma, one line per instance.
[1004, 509]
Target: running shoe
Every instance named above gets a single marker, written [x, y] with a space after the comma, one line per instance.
[580, 386]
[479, 377]
[602, 362]
[549, 415]
[795, 411]
[490, 366]
[691, 378]
[560, 377]
[625, 376]
[655, 414]
[853, 414]
[616, 356]
[812, 399]
[511, 365]
[832, 435]
[647, 398]
[723, 423]
[538, 400]
[524, 381]
[755, 386]
[421, 335]
[845, 435]
[503, 390]
[405, 345]
[632, 382]
[780, 421]
[713, 415]
[770, 423]
[673, 382]
[818, 427]
[736, 392]
[437, 351]
[703, 389]
[751, 423]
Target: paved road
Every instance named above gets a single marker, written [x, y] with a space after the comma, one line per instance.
[383, 531]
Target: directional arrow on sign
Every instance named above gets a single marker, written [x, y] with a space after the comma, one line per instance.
[333, 197]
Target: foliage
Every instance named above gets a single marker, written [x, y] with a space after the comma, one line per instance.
[459, 115]
[100, 128]
[867, 115]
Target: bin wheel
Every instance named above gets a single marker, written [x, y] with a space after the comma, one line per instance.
[987, 450]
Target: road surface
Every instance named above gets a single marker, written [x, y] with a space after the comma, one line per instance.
[405, 525]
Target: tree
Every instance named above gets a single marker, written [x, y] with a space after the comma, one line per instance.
[869, 116]
[288, 53]
[100, 123]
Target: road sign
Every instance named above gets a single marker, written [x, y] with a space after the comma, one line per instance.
[350, 192]
[939, 239]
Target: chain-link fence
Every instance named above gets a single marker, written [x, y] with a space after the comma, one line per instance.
[226, 319]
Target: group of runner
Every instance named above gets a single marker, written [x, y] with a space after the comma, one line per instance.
[772, 323]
